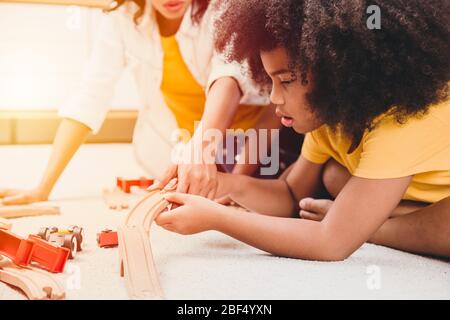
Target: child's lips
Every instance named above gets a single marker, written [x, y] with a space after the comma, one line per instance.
[286, 120]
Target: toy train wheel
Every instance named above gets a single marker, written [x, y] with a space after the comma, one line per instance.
[71, 243]
[79, 233]
[44, 233]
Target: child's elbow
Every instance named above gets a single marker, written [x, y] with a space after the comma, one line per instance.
[335, 256]
[335, 251]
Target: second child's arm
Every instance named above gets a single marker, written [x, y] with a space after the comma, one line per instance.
[276, 197]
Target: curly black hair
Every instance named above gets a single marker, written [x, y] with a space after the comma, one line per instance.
[358, 73]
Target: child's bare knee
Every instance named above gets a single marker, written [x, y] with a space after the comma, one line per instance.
[334, 177]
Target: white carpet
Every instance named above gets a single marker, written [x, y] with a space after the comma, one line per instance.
[208, 265]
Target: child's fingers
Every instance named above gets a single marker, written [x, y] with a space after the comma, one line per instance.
[226, 200]
[164, 218]
[318, 206]
[168, 227]
[305, 203]
[310, 216]
[180, 198]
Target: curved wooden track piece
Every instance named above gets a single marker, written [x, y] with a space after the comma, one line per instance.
[146, 210]
[35, 283]
[136, 258]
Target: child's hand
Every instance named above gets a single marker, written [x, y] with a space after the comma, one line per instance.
[195, 214]
[312, 209]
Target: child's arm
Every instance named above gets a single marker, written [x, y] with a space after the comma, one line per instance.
[359, 210]
[276, 197]
[269, 121]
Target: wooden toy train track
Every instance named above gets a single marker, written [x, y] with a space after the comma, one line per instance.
[136, 258]
[35, 283]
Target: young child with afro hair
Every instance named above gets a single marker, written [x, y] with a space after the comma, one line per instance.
[374, 106]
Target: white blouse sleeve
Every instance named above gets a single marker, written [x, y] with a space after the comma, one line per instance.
[251, 93]
[91, 101]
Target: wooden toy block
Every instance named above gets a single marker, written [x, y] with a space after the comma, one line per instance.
[125, 185]
[27, 211]
[136, 259]
[36, 284]
[107, 239]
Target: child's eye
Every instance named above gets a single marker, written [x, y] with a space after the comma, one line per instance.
[286, 82]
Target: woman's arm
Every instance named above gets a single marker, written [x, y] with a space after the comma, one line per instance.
[70, 136]
[221, 105]
[84, 111]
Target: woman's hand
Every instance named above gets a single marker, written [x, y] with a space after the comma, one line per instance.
[196, 179]
[17, 196]
[193, 214]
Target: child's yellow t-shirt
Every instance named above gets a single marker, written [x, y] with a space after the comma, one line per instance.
[418, 148]
[186, 98]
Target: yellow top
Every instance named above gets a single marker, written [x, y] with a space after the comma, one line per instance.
[186, 98]
[420, 147]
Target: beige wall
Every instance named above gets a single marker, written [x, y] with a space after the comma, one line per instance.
[39, 127]
[43, 49]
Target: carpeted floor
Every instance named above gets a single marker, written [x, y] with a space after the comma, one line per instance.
[203, 266]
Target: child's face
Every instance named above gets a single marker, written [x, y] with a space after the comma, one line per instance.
[171, 9]
[288, 92]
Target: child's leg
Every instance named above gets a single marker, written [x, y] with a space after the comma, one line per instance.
[424, 231]
[414, 227]
[335, 177]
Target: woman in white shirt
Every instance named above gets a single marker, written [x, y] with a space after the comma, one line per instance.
[133, 35]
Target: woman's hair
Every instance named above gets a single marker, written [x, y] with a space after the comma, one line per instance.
[358, 74]
[198, 9]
